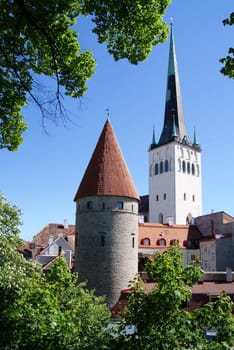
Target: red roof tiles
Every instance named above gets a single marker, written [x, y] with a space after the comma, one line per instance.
[107, 172]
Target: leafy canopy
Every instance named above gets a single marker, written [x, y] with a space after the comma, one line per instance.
[228, 61]
[160, 317]
[38, 38]
[41, 311]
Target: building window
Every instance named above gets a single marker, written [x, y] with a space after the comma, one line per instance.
[164, 196]
[193, 169]
[90, 205]
[193, 197]
[160, 218]
[145, 241]
[184, 196]
[183, 166]
[103, 239]
[119, 205]
[156, 169]
[174, 242]
[161, 167]
[103, 206]
[156, 197]
[188, 168]
[166, 166]
[133, 242]
[161, 242]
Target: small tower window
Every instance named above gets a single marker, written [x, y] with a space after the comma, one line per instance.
[160, 218]
[166, 166]
[103, 239]
[90, 205]
[161, 167]
[103, 205]
[193, 197]
[120, 205]
[156, 169]
[183, 166]
[133, 242]
[193, 169]
[184, 196]
[188, 168]
[156, 198]
[164, 196]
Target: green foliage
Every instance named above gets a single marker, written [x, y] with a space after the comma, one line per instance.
[228, 61]
[130, 28]
[55, 312]
[159, 316]
[39, 311]
[9, 218]
[37, 38]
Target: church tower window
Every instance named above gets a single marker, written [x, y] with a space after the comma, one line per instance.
[183, 166]
[156, 169]
[161, 167]
[188, 168]
[166, 166]
[193, 169]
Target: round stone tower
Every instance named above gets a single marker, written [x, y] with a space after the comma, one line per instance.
[106, 254]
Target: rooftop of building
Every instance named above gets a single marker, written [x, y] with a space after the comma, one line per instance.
[107, 172]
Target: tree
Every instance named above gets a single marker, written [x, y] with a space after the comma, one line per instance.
[57, 313]
[228, 61]
[41, 311]
[38, 38]
[160, 318]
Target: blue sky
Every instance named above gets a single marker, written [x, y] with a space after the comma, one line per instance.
[43, 175]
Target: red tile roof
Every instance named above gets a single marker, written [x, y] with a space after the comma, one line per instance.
[154, 232]
[107, 172]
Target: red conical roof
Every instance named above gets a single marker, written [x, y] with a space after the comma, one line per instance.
[107, 173]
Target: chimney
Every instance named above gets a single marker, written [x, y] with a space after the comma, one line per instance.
[228, 274]
[68, 255]
[65, 223]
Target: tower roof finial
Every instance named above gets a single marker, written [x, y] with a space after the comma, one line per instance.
[171, 21]
[108, 113]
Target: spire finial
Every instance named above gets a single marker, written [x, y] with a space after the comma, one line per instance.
[108, 113]
[171, 21]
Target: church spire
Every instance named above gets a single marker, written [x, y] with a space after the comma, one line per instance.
[174, 117]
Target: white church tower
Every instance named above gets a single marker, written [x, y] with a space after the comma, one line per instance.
[175, 177]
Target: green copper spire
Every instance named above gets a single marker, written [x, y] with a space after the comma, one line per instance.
[195, 142]
[195, 138]
[173, 101]
[153, 144]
